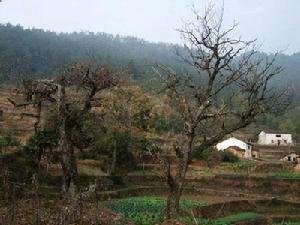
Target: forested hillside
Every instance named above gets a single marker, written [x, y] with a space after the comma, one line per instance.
[28, 53]
[33, 52]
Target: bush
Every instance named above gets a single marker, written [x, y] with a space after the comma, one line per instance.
[8, 141]
[38, 143]
[102, 145]
[88, 154]
[229, 157]
[204, 154]
[20, 168]
[162, 124]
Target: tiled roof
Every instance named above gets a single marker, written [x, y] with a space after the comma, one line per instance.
[269, 131]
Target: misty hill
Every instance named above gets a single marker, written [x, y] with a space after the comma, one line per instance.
[35, 53]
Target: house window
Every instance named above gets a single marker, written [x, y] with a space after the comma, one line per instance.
[278, 135]
[272, 141]
[294, 159]
[285, 141]
[289, 158]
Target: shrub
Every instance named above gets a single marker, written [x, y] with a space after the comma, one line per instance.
[103, 144]
[229, 157]
[161, 124]
[8, 141]
[204, 154]
[38, 142]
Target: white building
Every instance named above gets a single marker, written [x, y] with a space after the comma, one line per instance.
[274, 138]
[234, 142]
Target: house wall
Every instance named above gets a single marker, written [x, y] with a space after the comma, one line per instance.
[274, 139]
[240, 154]
[248, 153]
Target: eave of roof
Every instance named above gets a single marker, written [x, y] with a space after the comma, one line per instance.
[275, 132]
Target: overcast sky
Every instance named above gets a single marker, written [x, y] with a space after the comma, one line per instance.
[276, 23]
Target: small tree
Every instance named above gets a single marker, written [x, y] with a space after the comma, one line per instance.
[229, 89]
[126, 115]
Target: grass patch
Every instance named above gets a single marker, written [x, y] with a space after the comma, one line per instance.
[146, 210]
[223, 221]
[238, 217]
[203, 172]
[287, 175]
[284, 223]
[90, 170]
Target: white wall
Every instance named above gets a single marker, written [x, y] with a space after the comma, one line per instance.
[232, 142]
[274, 139]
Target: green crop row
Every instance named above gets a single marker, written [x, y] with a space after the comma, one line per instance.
[146, 210]
[287, 175]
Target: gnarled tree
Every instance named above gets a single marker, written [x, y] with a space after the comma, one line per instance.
[229, 89]
[72, 108]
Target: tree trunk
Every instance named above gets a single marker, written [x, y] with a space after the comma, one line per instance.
[176, 184]
[68, 160]
[172, 210]
[69, 167]
[114, 159]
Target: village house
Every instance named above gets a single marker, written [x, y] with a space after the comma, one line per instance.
[237, 147]
[274, 138]
[292, 157]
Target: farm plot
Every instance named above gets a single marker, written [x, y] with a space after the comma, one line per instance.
[146, 210]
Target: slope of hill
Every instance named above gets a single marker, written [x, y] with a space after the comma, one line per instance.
[33, 53]
[11, 122]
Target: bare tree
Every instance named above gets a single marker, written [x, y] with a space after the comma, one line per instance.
[229, 89]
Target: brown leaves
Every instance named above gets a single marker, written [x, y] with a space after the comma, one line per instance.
[97, 78]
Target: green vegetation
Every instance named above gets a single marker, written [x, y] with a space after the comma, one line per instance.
[287, 175]
[31, 53]
[8, 141]
[238, 217]
[204, 154]
[284, 223]
[229, 157]
[40, 140]
[246, 216]
[146, 210]
[34, 52]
